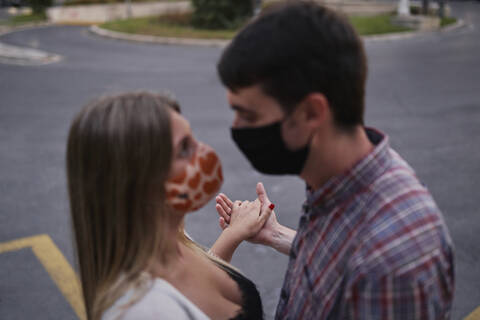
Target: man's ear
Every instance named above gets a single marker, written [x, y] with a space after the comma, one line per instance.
[316, 109]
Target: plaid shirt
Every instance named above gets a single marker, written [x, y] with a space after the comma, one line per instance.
[371, 244]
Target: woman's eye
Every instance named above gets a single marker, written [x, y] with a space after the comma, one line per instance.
[186, 148]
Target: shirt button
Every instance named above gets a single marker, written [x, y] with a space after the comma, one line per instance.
[293, 254]
[284, 295]
[305, 207]
[303, 221]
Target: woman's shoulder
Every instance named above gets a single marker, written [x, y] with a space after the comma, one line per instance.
[161, 301]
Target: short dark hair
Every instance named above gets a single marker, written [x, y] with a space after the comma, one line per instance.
[297, 48]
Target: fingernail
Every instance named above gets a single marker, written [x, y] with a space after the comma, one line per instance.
[271, 206]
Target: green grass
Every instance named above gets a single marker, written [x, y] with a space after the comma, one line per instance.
[380, 24]
[447, 21]
[25, 19]
[179, 26]
[90, 2]
[165, 27]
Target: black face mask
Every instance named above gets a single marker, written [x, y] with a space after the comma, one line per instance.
[265, 149]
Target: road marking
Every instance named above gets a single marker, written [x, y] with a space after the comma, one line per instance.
[475, 315]
[55, 264]
[65, 278]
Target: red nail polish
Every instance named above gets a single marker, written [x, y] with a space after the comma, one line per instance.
[271, 206]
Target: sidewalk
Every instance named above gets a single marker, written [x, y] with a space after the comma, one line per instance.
[11, 54]
[25, 56]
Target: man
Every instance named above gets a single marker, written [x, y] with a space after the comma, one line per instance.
[371, 242]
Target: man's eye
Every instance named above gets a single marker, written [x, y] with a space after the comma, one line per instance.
[248, 117]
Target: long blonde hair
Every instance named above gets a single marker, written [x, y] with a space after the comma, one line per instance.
[119, 154]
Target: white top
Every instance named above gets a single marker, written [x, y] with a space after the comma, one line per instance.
[162, 301]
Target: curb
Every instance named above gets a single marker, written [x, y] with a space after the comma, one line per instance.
[222, 43]
[159, 40]
[457, 25]
[411, 34]
[8, 29]
[23, 56]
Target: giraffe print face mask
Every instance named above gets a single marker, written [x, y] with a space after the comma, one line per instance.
[198, 183]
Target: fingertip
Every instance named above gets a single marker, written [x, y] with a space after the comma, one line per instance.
[220, 210]
[261, 189]
[221, 222]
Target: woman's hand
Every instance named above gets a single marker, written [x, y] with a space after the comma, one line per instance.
[248, 218]
[272, 233]
[265, 234]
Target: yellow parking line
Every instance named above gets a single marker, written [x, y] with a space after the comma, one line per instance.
[56, 265]
[65, 278]
[475, 315]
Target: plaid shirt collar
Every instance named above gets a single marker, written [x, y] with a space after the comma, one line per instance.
[340, 187]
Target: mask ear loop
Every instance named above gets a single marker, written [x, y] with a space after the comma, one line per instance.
[287, 116]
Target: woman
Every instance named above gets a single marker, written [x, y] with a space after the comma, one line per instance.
[134, 171]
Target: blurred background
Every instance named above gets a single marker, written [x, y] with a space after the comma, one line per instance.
[423, 90]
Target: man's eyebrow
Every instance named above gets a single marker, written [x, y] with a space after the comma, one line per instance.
[240, 108]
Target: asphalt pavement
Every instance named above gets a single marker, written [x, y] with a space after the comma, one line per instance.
[424, 92]
[4, 14]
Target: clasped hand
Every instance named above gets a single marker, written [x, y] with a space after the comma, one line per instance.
[254, 221]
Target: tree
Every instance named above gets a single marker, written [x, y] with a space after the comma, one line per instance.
[39, 6]
[425, 5]
[221, 14]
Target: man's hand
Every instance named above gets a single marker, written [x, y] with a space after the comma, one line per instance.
[265, 235]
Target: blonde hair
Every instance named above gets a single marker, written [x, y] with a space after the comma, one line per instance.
[119, 154]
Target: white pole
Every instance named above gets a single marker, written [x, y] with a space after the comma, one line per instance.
[403, 8]
[128, 8]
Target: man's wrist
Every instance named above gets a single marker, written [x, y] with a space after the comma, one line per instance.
[270, 239]
[281, 239]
